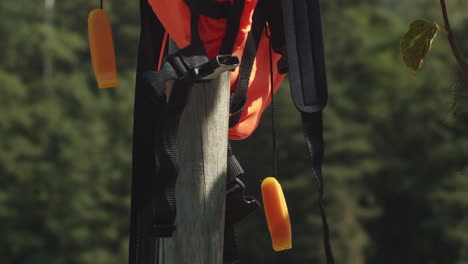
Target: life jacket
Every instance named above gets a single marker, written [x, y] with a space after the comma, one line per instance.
[213, 23]
[215, 36]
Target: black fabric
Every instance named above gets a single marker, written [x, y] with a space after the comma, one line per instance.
[155, 162]
[156, 80]
[211, 8]
[303, 32]
[164, 183]
[235, 169]
[313, 134]
[193, 56]
[232, 28]
[145, 248]
[274, 16]
[239, 97]
[141, 243]
[238, 206]
[307, 77]
[230, 250]
[166, 161]
[180, 65]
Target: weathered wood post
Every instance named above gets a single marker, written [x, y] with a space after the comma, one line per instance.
[201, 184]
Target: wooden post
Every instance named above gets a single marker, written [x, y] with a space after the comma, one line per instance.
[201, 184]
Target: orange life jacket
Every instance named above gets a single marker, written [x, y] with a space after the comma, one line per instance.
[174, 16]
[209, 33]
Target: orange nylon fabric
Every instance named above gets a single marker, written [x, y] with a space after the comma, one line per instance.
[259, 92]
[175, 17]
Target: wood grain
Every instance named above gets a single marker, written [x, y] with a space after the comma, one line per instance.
[201, 184]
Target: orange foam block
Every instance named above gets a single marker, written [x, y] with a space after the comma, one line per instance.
[102, 49]
[277, 215]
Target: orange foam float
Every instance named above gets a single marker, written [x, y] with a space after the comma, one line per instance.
[102, 49]
[277, 215]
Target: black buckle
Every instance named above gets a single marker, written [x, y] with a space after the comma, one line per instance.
[216, 66]
[179, 67]
[238, 205]
[156, 81]
[174, 68]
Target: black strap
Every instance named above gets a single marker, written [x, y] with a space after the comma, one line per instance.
[180, 66]
[155, 213]
[303, 33]
[167, 160]
[274, 17]
[313, 133]
[235, 169]
[230, 250]
[239, 97]
[307, 77]
[155, 162]
[184, 62]
[238, 206]
[213, 9]
[145, 118]
[232, 27]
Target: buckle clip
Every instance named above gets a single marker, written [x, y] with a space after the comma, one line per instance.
[216, 66]
[238, 204]
[174, 68]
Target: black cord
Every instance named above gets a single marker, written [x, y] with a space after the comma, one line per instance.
[102, 6]
[272, 90]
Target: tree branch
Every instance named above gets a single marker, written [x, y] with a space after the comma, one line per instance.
[451, 39]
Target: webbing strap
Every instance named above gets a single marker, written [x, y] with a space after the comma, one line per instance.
[232, 28]
[306, 56]
[239, 97]
[238, 206]
[307, 77]
[155, 161]
[155, 219]
[183, 63]
[146, 116]
[313, 133]
[234, 167]
[230, 250]
[163, 198]
[234, 170]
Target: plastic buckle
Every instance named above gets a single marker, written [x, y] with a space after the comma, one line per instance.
[216, 66]
[179, 68]
[172, 69]
[239, 205]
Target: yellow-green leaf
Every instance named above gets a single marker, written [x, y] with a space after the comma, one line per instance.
[417, 42]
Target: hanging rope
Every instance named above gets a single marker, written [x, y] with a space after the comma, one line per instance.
[272, 91]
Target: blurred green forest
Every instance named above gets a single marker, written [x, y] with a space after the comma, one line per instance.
[396, 165]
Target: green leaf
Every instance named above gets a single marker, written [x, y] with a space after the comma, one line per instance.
[417, 42]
